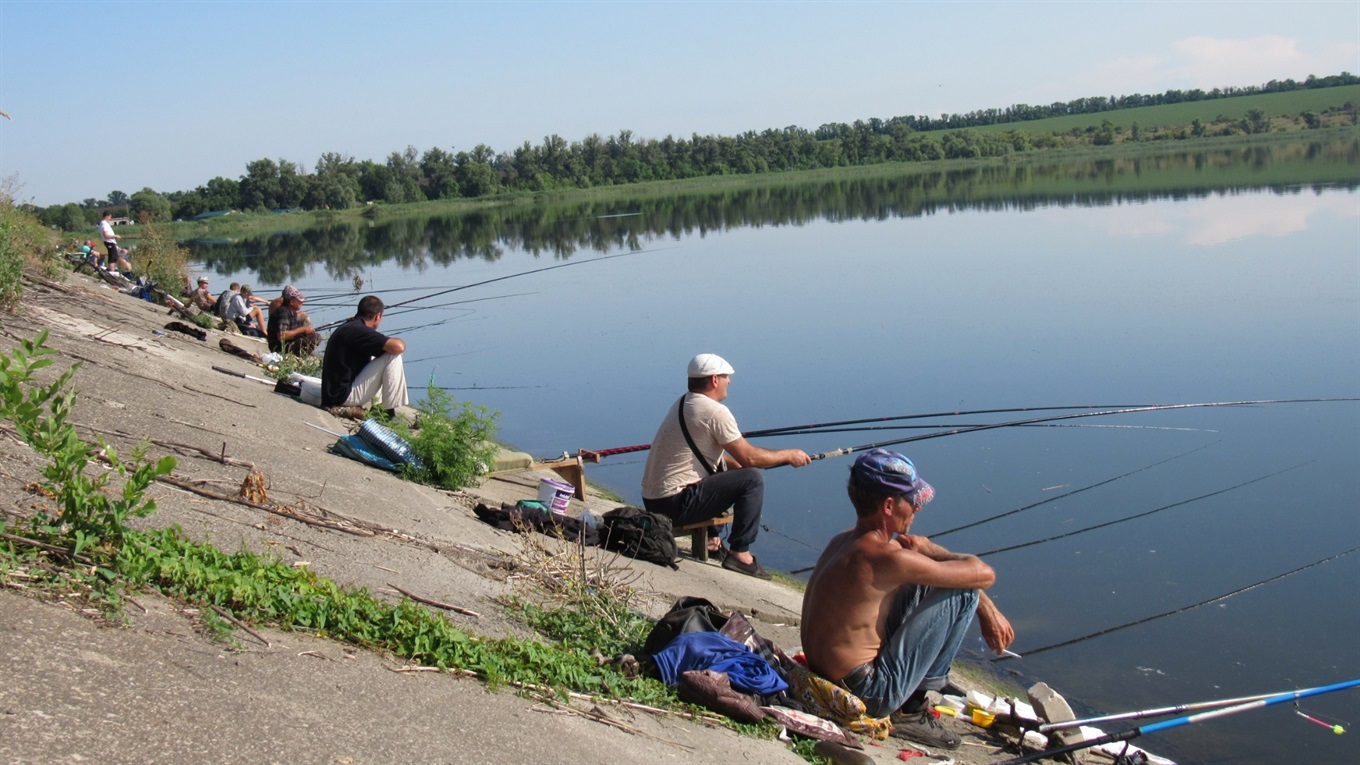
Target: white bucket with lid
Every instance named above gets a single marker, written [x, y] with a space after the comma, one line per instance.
[555, 495]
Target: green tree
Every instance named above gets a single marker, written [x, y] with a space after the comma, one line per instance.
[118, 198]
[260, 185]
[440, 172]
[147, 205]
[1105, 135]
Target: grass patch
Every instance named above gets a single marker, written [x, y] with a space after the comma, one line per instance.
[455, 443]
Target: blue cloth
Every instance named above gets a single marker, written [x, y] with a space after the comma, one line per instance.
[711, 650]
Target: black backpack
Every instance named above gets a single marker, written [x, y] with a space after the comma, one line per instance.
[639, 534]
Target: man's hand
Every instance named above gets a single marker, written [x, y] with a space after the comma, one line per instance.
[797, 457]
[922, 545]
[996, 628]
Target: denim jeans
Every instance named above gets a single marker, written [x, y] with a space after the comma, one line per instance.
[926, 625]
[743, 490]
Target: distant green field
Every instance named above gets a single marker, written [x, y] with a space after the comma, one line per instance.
[1289, 104]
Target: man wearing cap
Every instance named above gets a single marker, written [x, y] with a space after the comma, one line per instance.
[885, 611]
[699, 464]
[290, 331]
[202, 298]
[360, 362]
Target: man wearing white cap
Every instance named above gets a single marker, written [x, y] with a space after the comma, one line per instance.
[699, 464]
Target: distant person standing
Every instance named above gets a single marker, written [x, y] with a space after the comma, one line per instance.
[110, 238]
[361, 363]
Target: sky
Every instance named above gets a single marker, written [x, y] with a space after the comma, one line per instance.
[111, 95]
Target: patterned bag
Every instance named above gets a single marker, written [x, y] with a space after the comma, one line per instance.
[823, 698]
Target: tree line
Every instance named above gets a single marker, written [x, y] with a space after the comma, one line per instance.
[339, 181]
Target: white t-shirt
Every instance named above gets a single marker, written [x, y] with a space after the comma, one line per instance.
[671, 465]
[106, 230]
[237, 309]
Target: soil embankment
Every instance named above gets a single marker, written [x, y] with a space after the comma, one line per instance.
[73, 688]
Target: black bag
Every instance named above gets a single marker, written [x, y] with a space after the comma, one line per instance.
[639, 534]
[689, 614]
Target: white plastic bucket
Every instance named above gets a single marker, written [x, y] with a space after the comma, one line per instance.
[555, 494]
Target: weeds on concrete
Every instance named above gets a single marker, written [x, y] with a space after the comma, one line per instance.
[456, 444]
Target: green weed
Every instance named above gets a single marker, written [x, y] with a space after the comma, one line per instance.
[456, 444]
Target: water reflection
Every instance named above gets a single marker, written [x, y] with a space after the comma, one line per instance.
[561, 230]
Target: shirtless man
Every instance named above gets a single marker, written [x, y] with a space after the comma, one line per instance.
[885, 611]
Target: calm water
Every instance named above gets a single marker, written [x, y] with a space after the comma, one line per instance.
[881, 298]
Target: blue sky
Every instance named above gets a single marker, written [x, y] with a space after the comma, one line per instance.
[126, 95]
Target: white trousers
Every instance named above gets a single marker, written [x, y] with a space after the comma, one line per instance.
[384, 377]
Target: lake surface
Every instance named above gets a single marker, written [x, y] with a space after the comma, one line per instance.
[1203, 277]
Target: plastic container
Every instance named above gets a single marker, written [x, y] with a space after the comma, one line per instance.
[983, 719]
[311, 388]
[555, 494]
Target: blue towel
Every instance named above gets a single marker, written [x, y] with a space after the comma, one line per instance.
[711, 650]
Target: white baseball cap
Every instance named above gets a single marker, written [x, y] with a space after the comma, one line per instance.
[707, 364]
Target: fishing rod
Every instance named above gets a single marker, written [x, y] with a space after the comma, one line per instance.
[1192, 606]
[866, 428]
[1159, 712]
[503, 278]
[960, 413]
[1179, 722]
[1140, 515]
[597, 455]
[1088, 487]
[1054, 418]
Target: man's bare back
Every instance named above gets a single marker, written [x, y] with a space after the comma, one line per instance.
[845, 607]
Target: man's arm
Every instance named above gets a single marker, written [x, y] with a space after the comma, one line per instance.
[744, 454]
[936, 566]
[394, 346]
[289, 334]
[996, 628]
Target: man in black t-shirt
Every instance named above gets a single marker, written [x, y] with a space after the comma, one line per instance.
[361, 362]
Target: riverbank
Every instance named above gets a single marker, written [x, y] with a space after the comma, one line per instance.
[157, 687]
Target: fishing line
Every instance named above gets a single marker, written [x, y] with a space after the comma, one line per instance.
[1142, 514]
[1101, 413]
[1182, 609]
[1336, 728]
[939, 534]
[765, 527]
[512, 276]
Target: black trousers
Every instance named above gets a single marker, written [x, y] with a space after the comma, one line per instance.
[743, 490]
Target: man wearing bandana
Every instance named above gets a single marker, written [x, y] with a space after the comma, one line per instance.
[885, 611]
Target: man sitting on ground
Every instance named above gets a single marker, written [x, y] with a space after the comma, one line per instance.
[245, 316]
[290, 331]
[223, 307]
[699, 433]
[885, 611]
[202, 298]
[360, 362]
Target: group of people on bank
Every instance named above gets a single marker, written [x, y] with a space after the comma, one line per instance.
[885, 611]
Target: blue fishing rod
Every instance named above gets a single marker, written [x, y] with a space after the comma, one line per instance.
[1178, 722]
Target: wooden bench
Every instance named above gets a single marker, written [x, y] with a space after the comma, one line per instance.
[698, 534]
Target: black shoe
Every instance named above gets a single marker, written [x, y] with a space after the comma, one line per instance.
[924, 727]
[750, 569]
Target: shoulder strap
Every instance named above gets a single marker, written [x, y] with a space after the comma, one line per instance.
[684, 428]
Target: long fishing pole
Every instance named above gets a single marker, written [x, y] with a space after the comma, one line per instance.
[1088, 487]
[931, 415]
[1139, 515]
[501, 279]
[1054, 418]
[1161, 711]
[1192, 606]
[1179, 722]
[867, 428]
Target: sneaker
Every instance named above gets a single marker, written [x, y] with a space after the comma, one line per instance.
[750, 569]
[718, 555]
[924, 727]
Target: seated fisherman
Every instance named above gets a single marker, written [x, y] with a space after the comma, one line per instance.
[247, 317]
[360, 362]
[700, 433]
[885, 611]
[202, 298]
[290, 331]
